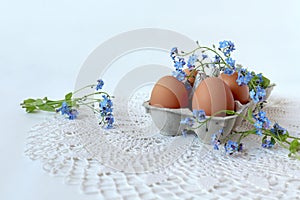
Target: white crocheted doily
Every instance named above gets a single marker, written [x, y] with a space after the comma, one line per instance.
[133, 161]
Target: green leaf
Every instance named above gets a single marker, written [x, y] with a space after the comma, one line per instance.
[31, 105]
[28, 101]
[266, 82]
[263, 139]
[250, 115]
[30, 109]
[49, 102]
[273, 141]
[55, 105]
[39, 102]
[68, 96]
[251, 84]
[282, 137]
[294, 146]
[230, 112]
[46, 107]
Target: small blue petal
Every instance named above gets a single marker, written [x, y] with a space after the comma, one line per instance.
[227, 47]
[278, 130]
[178, 64]
[217, 59]
[192, 59]
[258, 95]
[184, 132]
[179, 75]
[204, 56]
[228, 71]
[244, 77]
[73, 114]
[231, 147]
[267, 144]
[100, 84]
[223, 44]
[64, 109]
[200, 115]
[230, 61]
[188, 121]
[174, 52]
[216, 147]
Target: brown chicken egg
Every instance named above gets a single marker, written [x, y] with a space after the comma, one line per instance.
[168, 92]
[239, 92]
[213, 95]
[192, 75]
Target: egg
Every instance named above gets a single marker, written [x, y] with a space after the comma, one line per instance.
[192, 75]
[239, 92]
[213, 95]
[168, 92]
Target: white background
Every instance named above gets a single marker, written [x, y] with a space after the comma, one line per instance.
[44, 43]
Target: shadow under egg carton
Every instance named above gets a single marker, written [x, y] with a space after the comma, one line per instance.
[167, 120]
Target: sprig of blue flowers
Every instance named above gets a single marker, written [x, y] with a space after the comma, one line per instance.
[257, 84]
[222, 60]
[69, 105]
[260, 126]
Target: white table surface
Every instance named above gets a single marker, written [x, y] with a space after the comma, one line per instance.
[44, 43]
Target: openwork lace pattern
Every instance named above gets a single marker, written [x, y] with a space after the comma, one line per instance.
[133, 161]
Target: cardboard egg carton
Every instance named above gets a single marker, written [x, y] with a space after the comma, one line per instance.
[168, 120]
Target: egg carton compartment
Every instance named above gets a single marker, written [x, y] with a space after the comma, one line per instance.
[168, 121]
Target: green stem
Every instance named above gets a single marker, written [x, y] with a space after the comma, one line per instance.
[88, 103]
[88, 86]
[91, 107]
[210, 117]
[287, 142]
[281, 143]
[292, 137]
[203, 64]
[95, 94]
[210, 49]
[55, 102]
